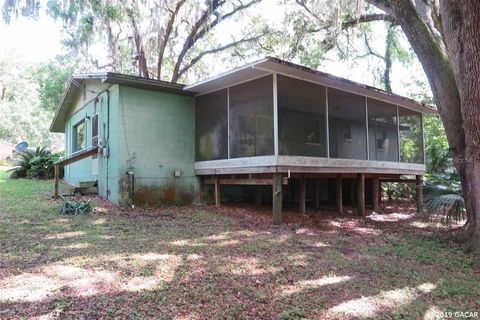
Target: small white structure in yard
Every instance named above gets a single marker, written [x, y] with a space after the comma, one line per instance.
[6, 150]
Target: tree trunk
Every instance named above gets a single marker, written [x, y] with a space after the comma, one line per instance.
[454, 77]
[388, 58]
[461, 33]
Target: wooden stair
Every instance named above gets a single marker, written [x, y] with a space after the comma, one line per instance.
[85, 188]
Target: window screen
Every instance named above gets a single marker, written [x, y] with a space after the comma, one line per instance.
[346, 124]
[301, 118]
[211, 126]
[411, 136]
[251, 118]
[382, 131]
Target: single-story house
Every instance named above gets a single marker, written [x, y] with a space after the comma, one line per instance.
[6, 150]
[310, 136]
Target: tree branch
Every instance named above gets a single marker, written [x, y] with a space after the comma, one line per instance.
[367, 18]
[166, 36]
[369, 48]
[427, 12]
[198, 31]
[215, 50]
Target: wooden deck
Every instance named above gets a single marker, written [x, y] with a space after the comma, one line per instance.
[279, 171]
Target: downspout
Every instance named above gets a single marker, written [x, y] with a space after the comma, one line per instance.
[108, 140]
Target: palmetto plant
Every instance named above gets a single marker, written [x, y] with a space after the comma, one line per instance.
[445, 203]
[36, 163]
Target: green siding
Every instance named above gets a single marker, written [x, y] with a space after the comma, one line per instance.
[148, 132]
[81, 170]
[107, 173]
[156, 139]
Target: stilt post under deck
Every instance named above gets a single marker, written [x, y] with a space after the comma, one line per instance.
[277, 198]
[258, 196]
[302, 196]
[57, 178]
[339, 193]
[351, 183]
[317, 194]
[375, 194]
[217, 191]
[379, 191]
[419, 198]
[361, 194]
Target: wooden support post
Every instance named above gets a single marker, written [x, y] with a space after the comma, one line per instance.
[419, 199]
[339, 194]
[57, 178]
[258, 195]
[361, 194]
[317, 194]
[200, 198]
[375, 194]
[379, 192]
[217, 191]
[302, 196]
[277, 198]
[352, 191]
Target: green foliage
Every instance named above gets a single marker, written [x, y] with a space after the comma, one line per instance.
[397, 52]
[51, 78]
[436, 145]
[450, 180]
[397, 190]
[20, 116]
[35, 164]
[411, 139]
[76, 207]
[443, 202]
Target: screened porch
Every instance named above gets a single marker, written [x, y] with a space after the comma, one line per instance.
[279, 123]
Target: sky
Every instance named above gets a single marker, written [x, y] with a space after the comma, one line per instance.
[40, 40]
[32, 40]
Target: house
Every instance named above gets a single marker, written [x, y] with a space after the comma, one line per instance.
[280, 131]
[6, 150]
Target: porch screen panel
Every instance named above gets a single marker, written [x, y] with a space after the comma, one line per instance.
[301, 118]
[382, 131]
[211, 126]
[411, 136]
[251, 118]
[346, 124]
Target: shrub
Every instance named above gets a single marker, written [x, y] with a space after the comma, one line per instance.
[444, 202]
[35, 164]
[76, 207]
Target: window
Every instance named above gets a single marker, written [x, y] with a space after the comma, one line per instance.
[95, 133]
[79, 135]
[382, 141]
[312, 131]
[347, 133]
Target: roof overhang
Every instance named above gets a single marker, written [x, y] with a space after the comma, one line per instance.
[271, 65]
[75, 83]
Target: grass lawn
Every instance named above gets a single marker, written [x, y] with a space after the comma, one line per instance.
[197, 263]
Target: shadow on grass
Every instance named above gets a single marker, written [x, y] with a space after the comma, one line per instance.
[197, 263]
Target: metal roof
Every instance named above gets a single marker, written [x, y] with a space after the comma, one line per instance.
[270, 65]
[75, 83]
[257, 69]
